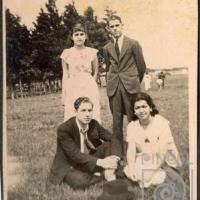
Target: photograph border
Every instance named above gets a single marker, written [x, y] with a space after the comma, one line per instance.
[194, 123]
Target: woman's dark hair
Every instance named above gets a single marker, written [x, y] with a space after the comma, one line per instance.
[143, 96]
[81, 100]
[78, 27]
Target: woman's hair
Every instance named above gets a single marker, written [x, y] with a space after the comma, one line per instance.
[81, 100]
[78, 27]
[143, 96]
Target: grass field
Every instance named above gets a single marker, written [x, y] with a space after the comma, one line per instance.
[31, 136]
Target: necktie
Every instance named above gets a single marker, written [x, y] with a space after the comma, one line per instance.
[117, 47]
[88, 144]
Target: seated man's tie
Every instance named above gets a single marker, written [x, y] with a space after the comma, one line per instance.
[87, 143]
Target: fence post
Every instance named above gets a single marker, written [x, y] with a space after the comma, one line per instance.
[20, 87]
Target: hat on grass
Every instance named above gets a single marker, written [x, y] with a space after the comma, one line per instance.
[115, 190]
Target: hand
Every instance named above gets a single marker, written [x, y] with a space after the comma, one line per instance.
[130, 172]
[109, 174]
[173, 159]
[110, 162]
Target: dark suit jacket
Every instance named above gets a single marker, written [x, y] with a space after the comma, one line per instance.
[129, 68]
[68, 152]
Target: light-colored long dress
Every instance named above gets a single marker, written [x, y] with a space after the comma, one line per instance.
[148, 149]
[78, 80]
[147, 81]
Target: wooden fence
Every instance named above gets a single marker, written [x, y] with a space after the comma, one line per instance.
[23, 90]
[35, 88]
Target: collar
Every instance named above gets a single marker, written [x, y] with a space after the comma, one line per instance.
[80, 128]
[119, 39]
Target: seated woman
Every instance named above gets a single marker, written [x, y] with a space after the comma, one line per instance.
[150, 144]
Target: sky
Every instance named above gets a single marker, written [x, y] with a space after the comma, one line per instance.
[166, 29]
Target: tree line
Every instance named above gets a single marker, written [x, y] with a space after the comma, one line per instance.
[33, 55]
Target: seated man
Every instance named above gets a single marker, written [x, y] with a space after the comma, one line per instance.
[83, 149]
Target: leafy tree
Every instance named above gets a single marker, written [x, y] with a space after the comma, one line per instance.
[89, 14]
[96, 31]
[34, 55]
[108, 14]
[47, 40]
[17, 48]
[69, 18]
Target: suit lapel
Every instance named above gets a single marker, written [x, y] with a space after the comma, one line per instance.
[112, 51]
[91, 128]
[125, 46]
[76, 133]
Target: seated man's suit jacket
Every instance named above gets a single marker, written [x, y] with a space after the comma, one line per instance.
[68, 152]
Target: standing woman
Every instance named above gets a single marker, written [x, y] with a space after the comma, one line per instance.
[147, 81]
[150, 144]
[80, 69]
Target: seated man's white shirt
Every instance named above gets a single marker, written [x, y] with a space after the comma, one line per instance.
[81, 135]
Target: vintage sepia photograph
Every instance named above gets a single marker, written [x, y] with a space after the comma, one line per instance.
[99, 99]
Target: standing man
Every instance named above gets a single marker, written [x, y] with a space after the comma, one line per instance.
[83, 149]
[161, 76]
[125, 69]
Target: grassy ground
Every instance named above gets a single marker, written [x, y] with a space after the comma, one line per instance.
[31, 136]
